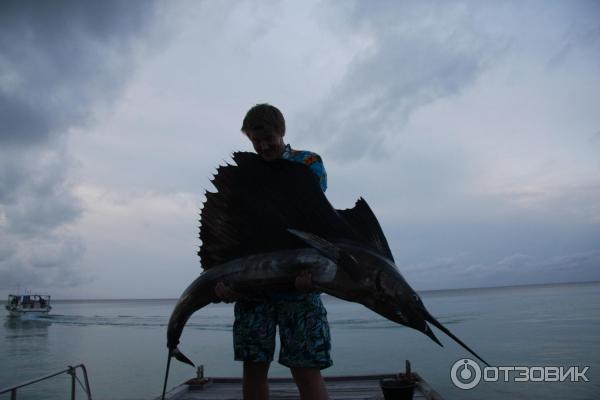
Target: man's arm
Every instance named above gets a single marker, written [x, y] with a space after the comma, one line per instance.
[225, 293]
[315, 163]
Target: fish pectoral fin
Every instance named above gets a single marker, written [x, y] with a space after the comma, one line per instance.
[325, 247]
[349, 264]
[342, 258]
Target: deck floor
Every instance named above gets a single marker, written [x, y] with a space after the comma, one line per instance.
[340, 388]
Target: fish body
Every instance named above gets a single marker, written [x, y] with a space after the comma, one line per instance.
[250, 276]
[345, 270]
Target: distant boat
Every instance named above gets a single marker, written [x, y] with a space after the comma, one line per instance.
[28, 304]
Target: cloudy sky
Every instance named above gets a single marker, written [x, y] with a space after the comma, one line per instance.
[471, 128]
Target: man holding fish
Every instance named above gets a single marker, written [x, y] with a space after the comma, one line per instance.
[269, 222]
[301, 316]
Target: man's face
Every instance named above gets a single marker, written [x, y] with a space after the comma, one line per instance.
[269, 146]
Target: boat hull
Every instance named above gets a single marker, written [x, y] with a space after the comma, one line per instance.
[20, 313]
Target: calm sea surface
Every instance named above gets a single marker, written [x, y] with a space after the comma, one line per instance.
[123, 344]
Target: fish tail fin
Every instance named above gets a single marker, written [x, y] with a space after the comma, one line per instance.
[166, 376]
[174, 352]
[180, 356]
[429, 318]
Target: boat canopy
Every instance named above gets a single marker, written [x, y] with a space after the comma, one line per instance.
[16, 299]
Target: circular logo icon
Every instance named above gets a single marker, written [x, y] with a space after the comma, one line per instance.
[465, 374]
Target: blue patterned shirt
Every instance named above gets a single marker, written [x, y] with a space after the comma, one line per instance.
[311, 160]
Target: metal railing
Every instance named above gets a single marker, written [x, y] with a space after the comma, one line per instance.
[70, 370]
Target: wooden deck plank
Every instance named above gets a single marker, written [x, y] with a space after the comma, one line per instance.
[364, 387]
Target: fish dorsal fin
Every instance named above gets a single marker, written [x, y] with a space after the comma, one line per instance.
[362, 219]
[219, 220]
[256, 202]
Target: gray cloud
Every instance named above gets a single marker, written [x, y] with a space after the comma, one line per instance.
[412, 55]
[35, 193]
[41, 261]
[583, 31]
[58, 58]
[58, 61]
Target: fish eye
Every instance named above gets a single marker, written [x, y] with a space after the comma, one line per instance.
[416, 297]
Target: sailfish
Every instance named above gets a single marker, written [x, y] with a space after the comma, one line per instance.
[269, 221]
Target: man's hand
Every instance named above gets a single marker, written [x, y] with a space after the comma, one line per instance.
[303, 282]
[225, 293]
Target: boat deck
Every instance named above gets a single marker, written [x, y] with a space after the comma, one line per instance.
[363, 387]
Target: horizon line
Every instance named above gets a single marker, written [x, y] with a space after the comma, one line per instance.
[428, 291]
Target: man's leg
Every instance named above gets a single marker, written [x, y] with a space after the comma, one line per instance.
[305, 343]
[254, 343]
[310, 383]
[255, 384]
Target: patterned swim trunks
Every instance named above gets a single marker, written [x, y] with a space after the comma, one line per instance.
[303, 331]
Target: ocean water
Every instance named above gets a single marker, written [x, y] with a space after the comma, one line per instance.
[123, 343]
